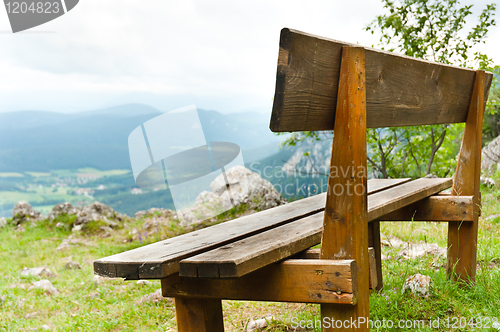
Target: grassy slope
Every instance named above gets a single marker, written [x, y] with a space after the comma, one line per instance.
[116, 307]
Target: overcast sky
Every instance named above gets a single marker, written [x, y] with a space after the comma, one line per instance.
[217, 54]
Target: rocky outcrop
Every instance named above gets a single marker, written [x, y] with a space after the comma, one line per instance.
[23, 212]
[490, 156]
[155, 212]
[243, 187]
[62, 209]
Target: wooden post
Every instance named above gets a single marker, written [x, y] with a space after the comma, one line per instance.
[199, 315]
[374, 242]
[345, 234]
[462, 236]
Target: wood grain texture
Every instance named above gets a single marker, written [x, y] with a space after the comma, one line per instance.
[244, 256]
[241, 257]
[294, 280]
[395, 198]
[374, 243]
[345, 223]
[400, 90]
[316, 253]
[158, 260]
[435, 208]
[199, 315]
[462, 236]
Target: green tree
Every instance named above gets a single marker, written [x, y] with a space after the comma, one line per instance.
[431, 30]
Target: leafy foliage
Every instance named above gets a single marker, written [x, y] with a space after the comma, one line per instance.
[431, 30]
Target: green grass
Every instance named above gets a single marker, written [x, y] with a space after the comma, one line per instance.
[113, 305]
[11, 175]
[37, 174]
[103, 173]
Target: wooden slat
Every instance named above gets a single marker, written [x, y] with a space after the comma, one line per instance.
[247, 255]
[435, 208]
[395, 198]
[158, 260]
[462, 237]
[315, 254]
[241, 257]
[295, 280]
[401, 91]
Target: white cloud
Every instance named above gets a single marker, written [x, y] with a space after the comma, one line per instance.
[220, 49]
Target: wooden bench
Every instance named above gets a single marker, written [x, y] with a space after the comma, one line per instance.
[324, 84]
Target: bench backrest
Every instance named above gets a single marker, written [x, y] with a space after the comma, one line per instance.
[400, 90]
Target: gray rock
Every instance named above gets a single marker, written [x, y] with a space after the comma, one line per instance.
[3, 298]
[62, 209]
[23, 212]
[144, 283]
[3, 222]
[77, 228]
[60, 225]
[487, 181]
[42, 271]
[431, 176]
[140, 214]
[45, 327]
[490, 156]
[246, 187]
[257, 324]
[46, 285]
[93, 212]
[418, 284]
[71, 265]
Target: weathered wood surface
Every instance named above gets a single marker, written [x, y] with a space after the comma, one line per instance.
[158, 260]
[435, 208]
[345, 221]
[294, 280]
[462, 236]
[400, 90]
[395, 198]
[199, 315]
[244, 256]
[252, 253]
[374, 242]
[316, 252]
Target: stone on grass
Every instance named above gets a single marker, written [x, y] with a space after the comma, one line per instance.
[62, 209]
[71, 265]
[144, 282]
[154, 297]
[259, 323]
[413, 250]
[24, 212]
[3, 222]
[418, 284]
[42, 271]
[45, 285]
[31, 315]
[45, 327]
[487, 181]
[3, 298]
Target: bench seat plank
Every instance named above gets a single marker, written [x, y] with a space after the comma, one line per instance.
[247, 255]
[161, 259]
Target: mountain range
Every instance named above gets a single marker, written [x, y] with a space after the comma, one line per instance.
[40, 141]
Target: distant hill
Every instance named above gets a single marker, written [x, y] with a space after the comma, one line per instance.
[43, 141]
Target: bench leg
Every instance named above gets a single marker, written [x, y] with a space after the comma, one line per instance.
[199, 315]
[462, 236]
[374, 241]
